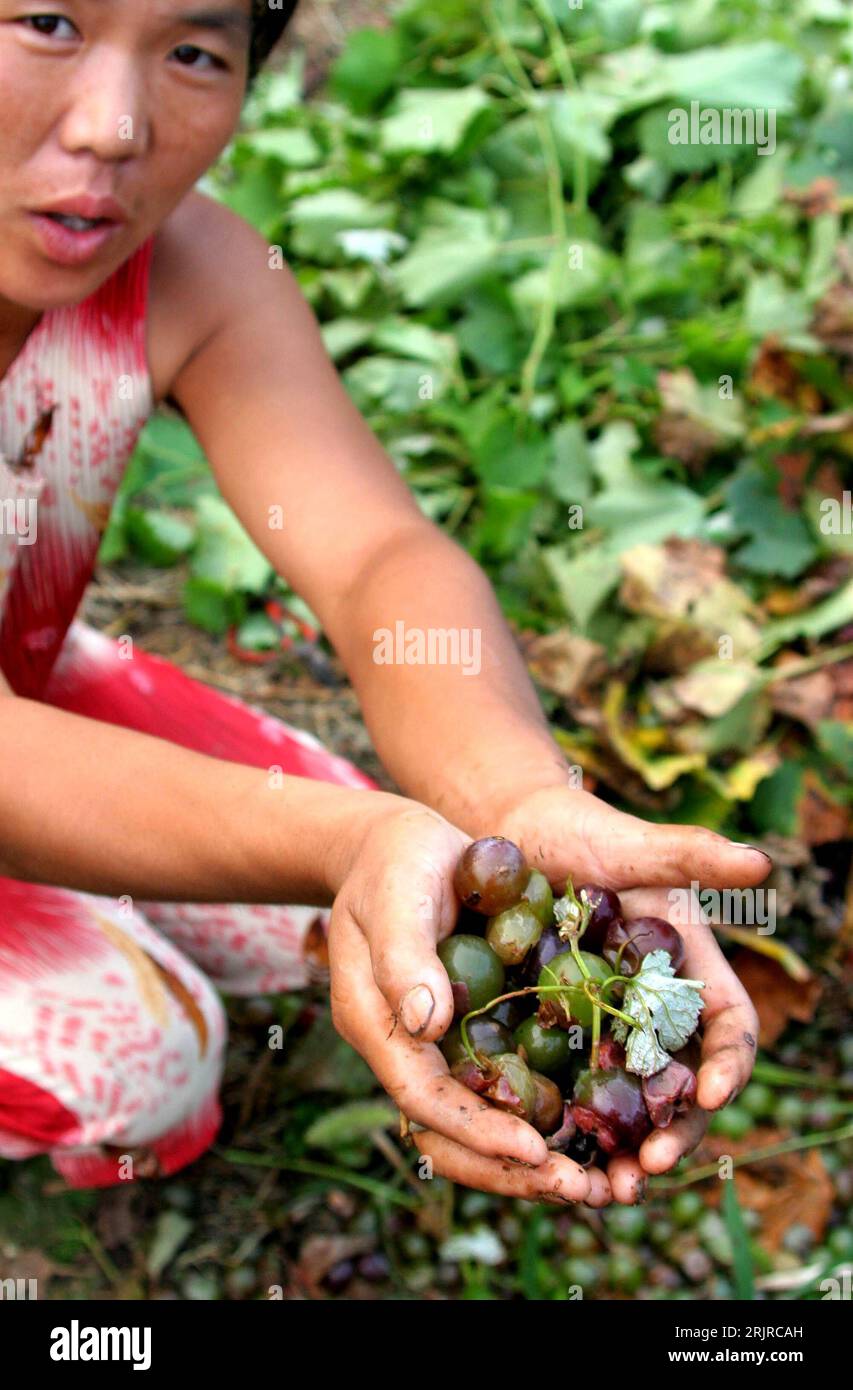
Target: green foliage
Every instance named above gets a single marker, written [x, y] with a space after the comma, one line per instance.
[581, 342]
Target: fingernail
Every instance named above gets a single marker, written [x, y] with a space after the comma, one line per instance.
[417, 1009]
[556, 1199]
[641, 1191]
[740, 844]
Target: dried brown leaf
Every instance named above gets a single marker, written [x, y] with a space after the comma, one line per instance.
[833, 319]
[808, 698]
[821, 819]
[791, 1190]
[775, 376]
[777, 998]
[565, 663]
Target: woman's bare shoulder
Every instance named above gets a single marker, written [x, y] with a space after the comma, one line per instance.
[203, 258]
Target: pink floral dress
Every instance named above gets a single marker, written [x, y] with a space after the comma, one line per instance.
[112, 1032]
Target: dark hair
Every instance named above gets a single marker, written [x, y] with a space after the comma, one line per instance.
[268, 25]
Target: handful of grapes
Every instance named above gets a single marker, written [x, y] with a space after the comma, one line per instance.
[567, 1015]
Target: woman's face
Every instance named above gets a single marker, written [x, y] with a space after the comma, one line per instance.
[110, 110]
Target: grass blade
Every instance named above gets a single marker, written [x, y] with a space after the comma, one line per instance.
[743, 1272]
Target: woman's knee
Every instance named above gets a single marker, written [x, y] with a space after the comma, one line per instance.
[113, 1049]
[248, 949]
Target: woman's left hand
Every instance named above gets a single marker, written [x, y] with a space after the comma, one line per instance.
[570, 833]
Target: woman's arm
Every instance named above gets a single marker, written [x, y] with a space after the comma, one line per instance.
[105, 810]
[322, 499]
[113, 812]
[467, 737]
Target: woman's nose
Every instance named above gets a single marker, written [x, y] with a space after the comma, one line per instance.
[106, 113]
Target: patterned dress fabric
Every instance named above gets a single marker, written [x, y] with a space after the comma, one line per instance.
[112, 1032]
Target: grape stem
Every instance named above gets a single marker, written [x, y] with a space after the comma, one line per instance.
[570, 931]
[590, 994]
[476, 1057]
[596, 1033]
[499, 999]
[597, 1004]
[596, 1001]
[617, 964]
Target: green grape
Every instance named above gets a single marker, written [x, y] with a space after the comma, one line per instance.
[759, 1100]
[538, 894]
[512, 933]
[790, 1112]
[732, 1122]
[626, 1223]
[564, 970]
[686, 1208]
[476, 974]
[548, 1050]
[625, 1270]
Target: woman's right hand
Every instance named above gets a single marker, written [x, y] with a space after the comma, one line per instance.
[392, 1001]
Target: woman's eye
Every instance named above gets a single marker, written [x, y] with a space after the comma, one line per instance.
[48, 24]
[187, 55]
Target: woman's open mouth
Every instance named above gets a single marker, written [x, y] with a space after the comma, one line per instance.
[70, 240]
[77, 224]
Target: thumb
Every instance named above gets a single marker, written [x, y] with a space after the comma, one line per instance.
[401, 935]
[574, 833]
[631, 852]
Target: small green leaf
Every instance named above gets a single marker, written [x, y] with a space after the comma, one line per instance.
[776, 801]
[582, 581]
[318, 219]
[833, 612]
[440, 266]
[395, 383]
[570, 471]
[255, 196]
[347, 1124]
[406, 338]
[225, 554]
[291, 145]
[770, 307]
[258, 633]
[648, 510]
[489, 334]
[779, 540]
[654, 262]
[431, 120]
[750, 75]
[210, 607]
[367, 69]
[158, 537]
[835, 739]
[505, 524]
[511, 454]
[666, 1008]
[342, 336]
[583, 275]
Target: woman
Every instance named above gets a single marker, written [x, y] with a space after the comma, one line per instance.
[152, 828]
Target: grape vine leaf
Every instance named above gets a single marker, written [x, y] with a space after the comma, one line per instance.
[644, 1055]
[666, 1009]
